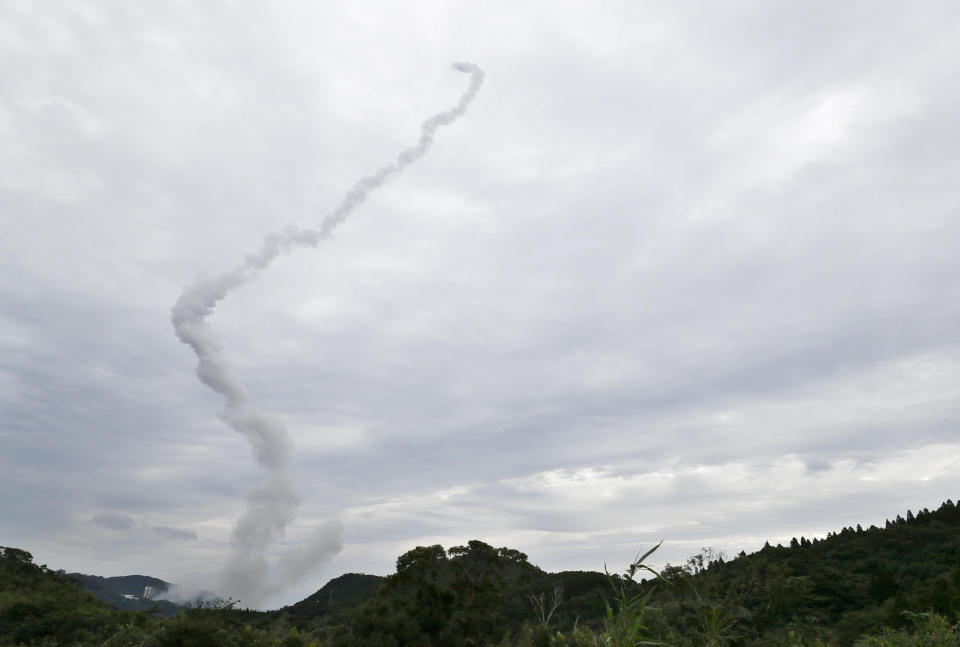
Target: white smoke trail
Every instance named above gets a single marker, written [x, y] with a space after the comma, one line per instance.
[272, 504]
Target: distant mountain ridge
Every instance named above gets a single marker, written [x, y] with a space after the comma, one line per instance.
[838, 591]
[126, 592]
[120, 585]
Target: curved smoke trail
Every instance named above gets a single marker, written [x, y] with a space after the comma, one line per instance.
[272, 504]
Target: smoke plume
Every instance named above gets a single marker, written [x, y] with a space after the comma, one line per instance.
[272, 504]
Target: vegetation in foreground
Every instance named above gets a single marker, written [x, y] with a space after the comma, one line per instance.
[874, 587]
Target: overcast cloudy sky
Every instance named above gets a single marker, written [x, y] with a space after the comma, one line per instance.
[682, 271]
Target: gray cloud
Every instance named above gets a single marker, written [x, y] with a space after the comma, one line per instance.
[684, 241]
[170, 532]
[114, 521]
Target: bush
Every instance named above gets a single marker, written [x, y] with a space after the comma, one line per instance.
[929, 630]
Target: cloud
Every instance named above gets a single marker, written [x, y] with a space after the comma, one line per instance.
[667, 250]
[114, 521]
[817, 465]
[170, 532]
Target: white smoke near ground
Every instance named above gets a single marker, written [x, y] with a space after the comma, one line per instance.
[327, 539]
[272, 504]
[181, 594]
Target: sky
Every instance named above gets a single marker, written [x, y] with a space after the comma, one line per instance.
[681, 272]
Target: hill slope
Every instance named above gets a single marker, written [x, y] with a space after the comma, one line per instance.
[39, 604]
[830, 590]
[823, 592]
[835, 588]
[125, 592]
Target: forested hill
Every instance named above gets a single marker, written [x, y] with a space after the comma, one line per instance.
[837, 591]
[337, 600]
[38, 604]
[120, 585]
[125, 592]
[474, 589]
[832, 590]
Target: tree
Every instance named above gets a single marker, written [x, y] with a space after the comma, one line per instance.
[421, 562]
[544, 610]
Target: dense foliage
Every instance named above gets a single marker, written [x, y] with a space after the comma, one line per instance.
[49, 608]
[37, 604]
[831, 590]
[876, 587]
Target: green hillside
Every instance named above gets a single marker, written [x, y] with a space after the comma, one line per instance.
[833, 589]
[898, 585]
[40, 605]
[824, 591]
[115, 591]
[336, 601]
